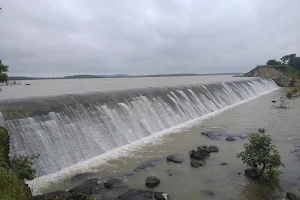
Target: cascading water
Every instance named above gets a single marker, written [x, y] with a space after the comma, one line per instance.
[67, 129]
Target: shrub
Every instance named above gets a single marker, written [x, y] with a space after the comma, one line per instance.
[23, 167]
[4, 147]
[295, 91]
[260, 155]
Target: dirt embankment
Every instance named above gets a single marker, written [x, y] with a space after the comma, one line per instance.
[279, 77]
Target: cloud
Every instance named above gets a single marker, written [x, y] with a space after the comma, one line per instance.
[56, 38]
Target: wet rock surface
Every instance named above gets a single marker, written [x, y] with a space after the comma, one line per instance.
[200, 154]
[146, 165]
[222, 135]
[196, 163]
[174, 158]
[213, 149]
[112, 189]
[152, 181]
[230, 138]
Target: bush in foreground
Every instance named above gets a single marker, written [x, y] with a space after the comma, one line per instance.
[262, 157]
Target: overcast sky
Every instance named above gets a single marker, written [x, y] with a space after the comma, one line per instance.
[65, 37]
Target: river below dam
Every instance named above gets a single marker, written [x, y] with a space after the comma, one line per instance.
[94, 131]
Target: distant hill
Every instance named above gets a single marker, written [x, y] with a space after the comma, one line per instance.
[114, 76]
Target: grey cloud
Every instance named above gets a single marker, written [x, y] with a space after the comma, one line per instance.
[56, 38]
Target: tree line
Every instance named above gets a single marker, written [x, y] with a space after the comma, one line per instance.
[289, 60]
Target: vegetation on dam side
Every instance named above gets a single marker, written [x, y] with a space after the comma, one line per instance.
[13, 172]
[285, 73]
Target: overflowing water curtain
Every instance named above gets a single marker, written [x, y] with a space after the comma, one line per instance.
[65, 133]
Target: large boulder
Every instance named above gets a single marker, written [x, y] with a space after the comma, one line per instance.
[213, 149]
[174, 158]
[152, 181]
[252, 174]
[200, 154]
[292, 196]
[196, 163]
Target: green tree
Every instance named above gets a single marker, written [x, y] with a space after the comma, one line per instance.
[273, 62]
[261, 156]
[291, 60]
[3, 74]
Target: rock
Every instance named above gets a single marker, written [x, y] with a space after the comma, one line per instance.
[230, 138]
[152, 181]
[88, 187]
[208, 193]
[213, 149]
[252, 174]
[203, 148]
[223, 163]
[196, 163]
[221, 135]
[214, 135]
[112, 182]
[174, 158]
[200, 154]
[111, 193]
[134, 194]
[81, 177]
[128, 174]
[292, 196]
[146, 165]
[53, 195]
[161, 196]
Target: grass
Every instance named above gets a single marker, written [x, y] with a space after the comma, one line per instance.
[287, 70]
[12, 186]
